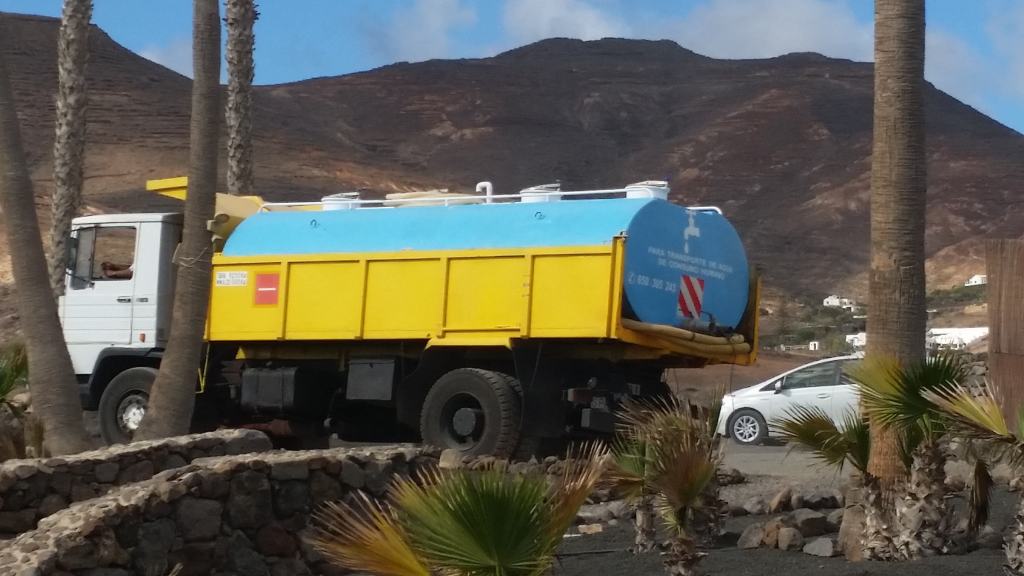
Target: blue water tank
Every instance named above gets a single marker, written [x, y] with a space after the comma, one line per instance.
[682, 268]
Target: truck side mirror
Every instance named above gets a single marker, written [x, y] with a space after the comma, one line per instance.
[72, 254]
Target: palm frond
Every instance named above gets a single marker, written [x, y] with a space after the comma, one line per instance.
[896, 397]
[483, 522]
[681, 472]
[365, 536]
[981, 489]
[584, 468]
[629, 467]
[980, 417]
[811, 429]
[13, 368]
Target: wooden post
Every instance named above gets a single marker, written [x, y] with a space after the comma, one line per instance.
[1005, 264]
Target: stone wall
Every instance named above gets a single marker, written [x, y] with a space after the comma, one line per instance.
[245, 515]
[34, 489]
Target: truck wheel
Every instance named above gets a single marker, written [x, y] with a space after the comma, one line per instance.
[474, 411]
[123, 404]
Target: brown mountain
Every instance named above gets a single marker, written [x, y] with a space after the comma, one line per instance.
[781, 144]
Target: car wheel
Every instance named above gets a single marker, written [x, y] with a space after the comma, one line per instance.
[748, 427]
[123, 404]
[474, 411]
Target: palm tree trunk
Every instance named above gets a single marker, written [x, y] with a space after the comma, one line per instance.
[682, 557]
[643, 521]
[879, 533]
[1015, 544]
[922, 515]
[173, 396]
[240, 16]
[896, 307]
[69, 138]
[707, 518]
[51, 377]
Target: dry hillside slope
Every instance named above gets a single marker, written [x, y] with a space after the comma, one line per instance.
[781, 144]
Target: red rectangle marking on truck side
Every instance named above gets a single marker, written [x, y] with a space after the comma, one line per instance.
[266, 289]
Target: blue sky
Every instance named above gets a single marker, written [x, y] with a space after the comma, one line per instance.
[975, 47]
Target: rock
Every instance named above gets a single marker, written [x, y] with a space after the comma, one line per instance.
[838, 498]
[756, 506]
[51, 504]
[730, 476]
[106, 472]
[141, 470]
[289, 567]
[796, 502]
[289, 470]
[451, 459]
[249, 502]
[244, 560]
[781, 501]
[197, 558]
[771, 532]
[850, 531]
[824, 547]
[274, 540]
[1016, 483]
[174, 461]
[352, 475]
[17, 522]
[990, 539]
[154, 544]
[594, 514]
[751, 537]
[620, 509]
[198, 519]
[292, 497]
[820, 500]
[726, 538]
[590, 528]
[835, 520]
[809, 522]
[790, 539]
[736, 511]
[378, 476]
[78, 555]
[323, 488]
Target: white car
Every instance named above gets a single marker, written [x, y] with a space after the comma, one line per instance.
[747, 414]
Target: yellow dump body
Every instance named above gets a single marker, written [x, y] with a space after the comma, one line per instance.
[466, 298]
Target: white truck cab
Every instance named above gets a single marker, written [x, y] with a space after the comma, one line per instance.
[116, 309]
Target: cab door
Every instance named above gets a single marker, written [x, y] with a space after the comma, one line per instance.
[101, 287]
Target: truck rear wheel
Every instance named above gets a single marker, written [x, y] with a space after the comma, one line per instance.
[123, 404]
[474, 411]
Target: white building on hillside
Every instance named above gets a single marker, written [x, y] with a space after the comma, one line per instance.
[977, 280]
[955, 338]
[858, 340]
[836, 301]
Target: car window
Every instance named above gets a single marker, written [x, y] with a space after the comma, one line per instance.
[845, 367]
[812, 377]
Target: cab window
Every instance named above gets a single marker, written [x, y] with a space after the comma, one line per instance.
[103, 254]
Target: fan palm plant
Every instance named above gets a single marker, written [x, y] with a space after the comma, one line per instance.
[667, 459]
[460, 522]
[13, 376]
[980, 417]
[847, 444]
[896, 397]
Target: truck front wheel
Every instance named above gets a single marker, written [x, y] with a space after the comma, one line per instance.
[474, 411]
[123, 404]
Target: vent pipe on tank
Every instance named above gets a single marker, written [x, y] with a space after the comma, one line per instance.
[542, 193]
[487, 188]
[648, 189]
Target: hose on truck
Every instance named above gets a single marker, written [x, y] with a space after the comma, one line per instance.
[698, 344]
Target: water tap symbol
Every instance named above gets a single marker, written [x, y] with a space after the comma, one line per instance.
[690, 230]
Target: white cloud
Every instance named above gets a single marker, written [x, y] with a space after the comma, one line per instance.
[1006, 29]
[957, 68]
[177, 55]
[424, 31]
[767, 28]
[531, 20]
